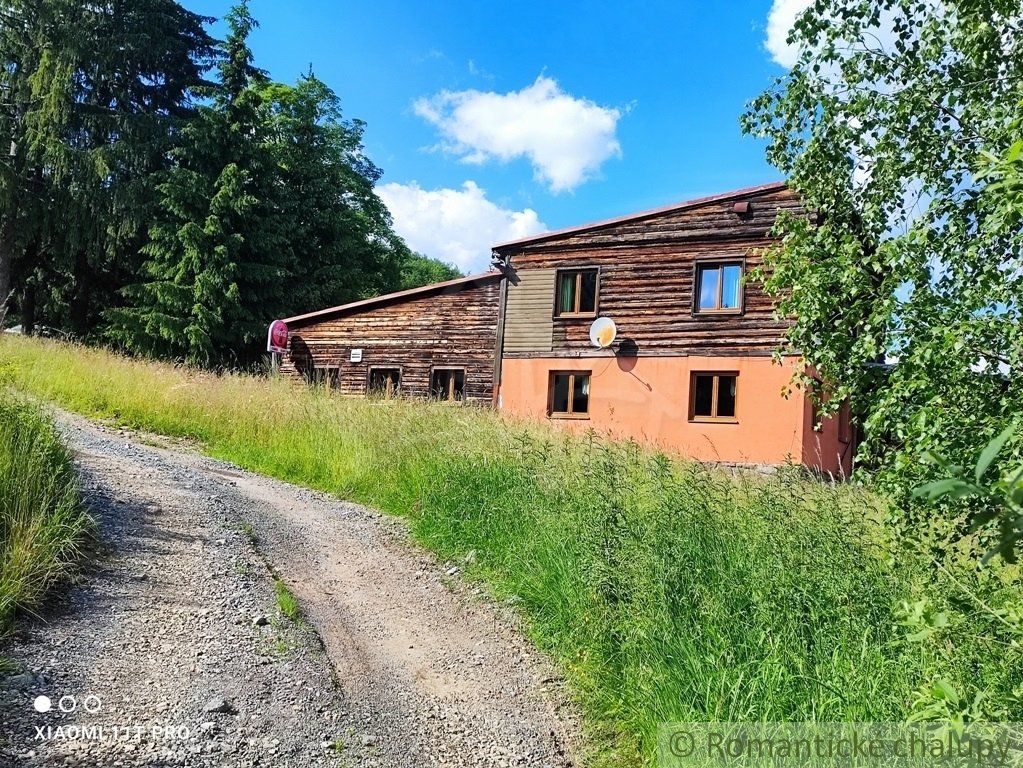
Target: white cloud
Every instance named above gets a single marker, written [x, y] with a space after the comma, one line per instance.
[780, 21]
[566, 139]
[782, 17]
[458, 226]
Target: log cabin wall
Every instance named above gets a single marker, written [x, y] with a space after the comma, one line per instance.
[662, 381]
[647, 267]
[415, 331]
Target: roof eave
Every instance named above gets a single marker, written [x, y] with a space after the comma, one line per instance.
[411, 293]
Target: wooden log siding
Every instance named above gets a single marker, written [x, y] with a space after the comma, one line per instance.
[647, 276]
[456, 328]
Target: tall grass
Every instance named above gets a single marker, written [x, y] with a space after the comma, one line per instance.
[665, 590]
[42, 522]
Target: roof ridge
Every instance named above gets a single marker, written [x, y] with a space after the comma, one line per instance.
[554, 233]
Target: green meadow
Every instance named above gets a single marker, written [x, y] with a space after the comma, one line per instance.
[665, 590]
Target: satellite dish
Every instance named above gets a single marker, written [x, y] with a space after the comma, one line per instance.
[603, 332]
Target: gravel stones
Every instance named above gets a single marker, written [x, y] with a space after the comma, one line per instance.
[176, 635]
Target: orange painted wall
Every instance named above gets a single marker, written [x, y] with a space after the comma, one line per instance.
[825, 448]
[647, 399]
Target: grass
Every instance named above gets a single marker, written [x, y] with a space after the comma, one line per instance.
[287, 602]
[42, 522]
[249, 533]
[665, 590]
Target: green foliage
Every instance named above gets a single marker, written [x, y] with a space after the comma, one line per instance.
[335, 229]
[665, 590]
[900, 126]
[269, 211]
[207, 245]
[42, 522]
[175, 216]
[93, 96]
[287, 602]
[1001, 499]
[417, 270]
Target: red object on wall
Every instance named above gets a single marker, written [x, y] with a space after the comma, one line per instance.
[277, 337]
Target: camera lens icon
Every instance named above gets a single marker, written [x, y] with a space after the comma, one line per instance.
[67, 704]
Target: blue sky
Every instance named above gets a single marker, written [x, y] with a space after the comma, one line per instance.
[493, 121]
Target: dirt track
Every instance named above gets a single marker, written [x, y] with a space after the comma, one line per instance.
[177, 627]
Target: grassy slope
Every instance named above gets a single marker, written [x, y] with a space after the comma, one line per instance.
[42, 523]
[665, 590]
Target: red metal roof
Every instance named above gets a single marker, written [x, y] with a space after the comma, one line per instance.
[642, 214]
[458, 282]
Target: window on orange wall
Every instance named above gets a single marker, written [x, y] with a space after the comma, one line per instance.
[713, 396]
[569, 395]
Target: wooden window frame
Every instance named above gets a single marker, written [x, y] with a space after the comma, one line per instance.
[712, 419]
[558, 315]
[369, 377]
[569, 414]
[326, 374]
[717, 261]
[465, 382]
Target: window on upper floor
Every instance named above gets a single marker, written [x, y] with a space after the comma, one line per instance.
[569, 396]
[712, 397]
[718, 286]
[576, 293]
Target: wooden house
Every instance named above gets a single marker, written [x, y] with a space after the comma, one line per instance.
[435, 341]
[691, 369]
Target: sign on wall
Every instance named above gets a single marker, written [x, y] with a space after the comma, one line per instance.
[356, 356]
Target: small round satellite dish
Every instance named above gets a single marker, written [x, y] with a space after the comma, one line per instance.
[603, 332]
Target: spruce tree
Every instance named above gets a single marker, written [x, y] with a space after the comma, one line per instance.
[97, 90]
[24, 28]
[208, 256]
[338, 234]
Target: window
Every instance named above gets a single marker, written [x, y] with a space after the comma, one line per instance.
[719, 287]
[577, 293]
[384, 381]
[448, 384]
[327, 376]
[569, 394]
[712, 397]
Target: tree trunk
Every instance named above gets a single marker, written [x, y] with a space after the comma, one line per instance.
[28, 308]
[6, 270]
[80, 300]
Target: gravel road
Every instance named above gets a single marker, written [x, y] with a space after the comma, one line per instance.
[172, 649]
